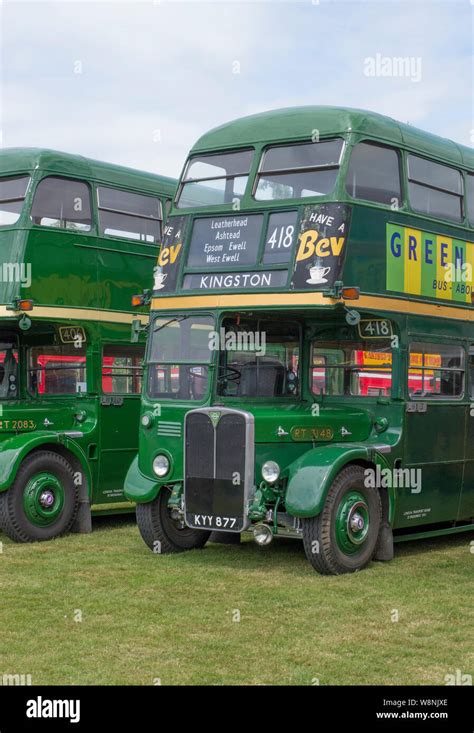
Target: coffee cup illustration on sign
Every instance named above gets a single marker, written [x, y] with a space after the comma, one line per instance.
[318, 275]
[159, 279]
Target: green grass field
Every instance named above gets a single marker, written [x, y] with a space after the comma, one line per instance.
[172, 618]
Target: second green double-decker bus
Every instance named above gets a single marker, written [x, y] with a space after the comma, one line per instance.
[310, 360]
[77, 238]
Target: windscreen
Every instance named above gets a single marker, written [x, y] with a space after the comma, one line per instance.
[258, 358]
[214, 179]
[179, 353]
[12, 196]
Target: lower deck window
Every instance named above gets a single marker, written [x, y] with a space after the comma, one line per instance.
[122, 369]
[435, 371]
[339, 368]
[56, 370]
[8, 371]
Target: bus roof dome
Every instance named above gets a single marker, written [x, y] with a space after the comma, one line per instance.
[14, 160]
[301, 123]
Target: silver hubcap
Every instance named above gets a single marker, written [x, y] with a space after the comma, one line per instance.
[357, 522]
[46, 499]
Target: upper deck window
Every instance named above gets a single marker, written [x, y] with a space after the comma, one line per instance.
[129, 215]
[62, 202]
[12, 195]
[214, 179]
[470, 197]
[374, 174]
[435, 189]
[298, 171]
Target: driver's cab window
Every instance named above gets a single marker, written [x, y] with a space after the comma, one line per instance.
[58, 369]
[259, 358]
[8, 370]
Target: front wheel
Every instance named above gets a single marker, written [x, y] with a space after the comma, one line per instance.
[161, 532]
[42, 502]
[343, 537]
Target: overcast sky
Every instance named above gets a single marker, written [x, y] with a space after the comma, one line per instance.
[138, 82]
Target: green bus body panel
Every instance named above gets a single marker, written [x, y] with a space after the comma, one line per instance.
[139, 488]
[310, 476]
[15, 449]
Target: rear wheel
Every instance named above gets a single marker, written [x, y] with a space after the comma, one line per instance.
[42, 501]
[161, 532]
[343, 537]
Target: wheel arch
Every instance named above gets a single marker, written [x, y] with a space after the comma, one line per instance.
[18, 448]
[78, 461]
[311, 476]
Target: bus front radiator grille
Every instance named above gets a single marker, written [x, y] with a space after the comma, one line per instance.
[219, 450]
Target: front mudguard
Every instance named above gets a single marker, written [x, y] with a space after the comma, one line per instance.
[15, 449]
[311, 475]
[138, 487]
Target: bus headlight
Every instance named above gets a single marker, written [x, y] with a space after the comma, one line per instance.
[161, 465]
[270, 472]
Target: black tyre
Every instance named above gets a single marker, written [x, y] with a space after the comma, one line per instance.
[43, 500]
[162, 533]
[343, 537]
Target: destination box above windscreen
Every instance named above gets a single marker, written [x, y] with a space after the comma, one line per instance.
[220, 242]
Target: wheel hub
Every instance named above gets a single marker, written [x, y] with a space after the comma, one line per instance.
[43, 499]
[352, 522]
[46, 498]
[357, 522]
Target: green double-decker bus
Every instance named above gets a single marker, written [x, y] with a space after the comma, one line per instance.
[310, 359]
[78, 238]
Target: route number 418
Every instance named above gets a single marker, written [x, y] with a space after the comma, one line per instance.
[281, 237]
[375, 328]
